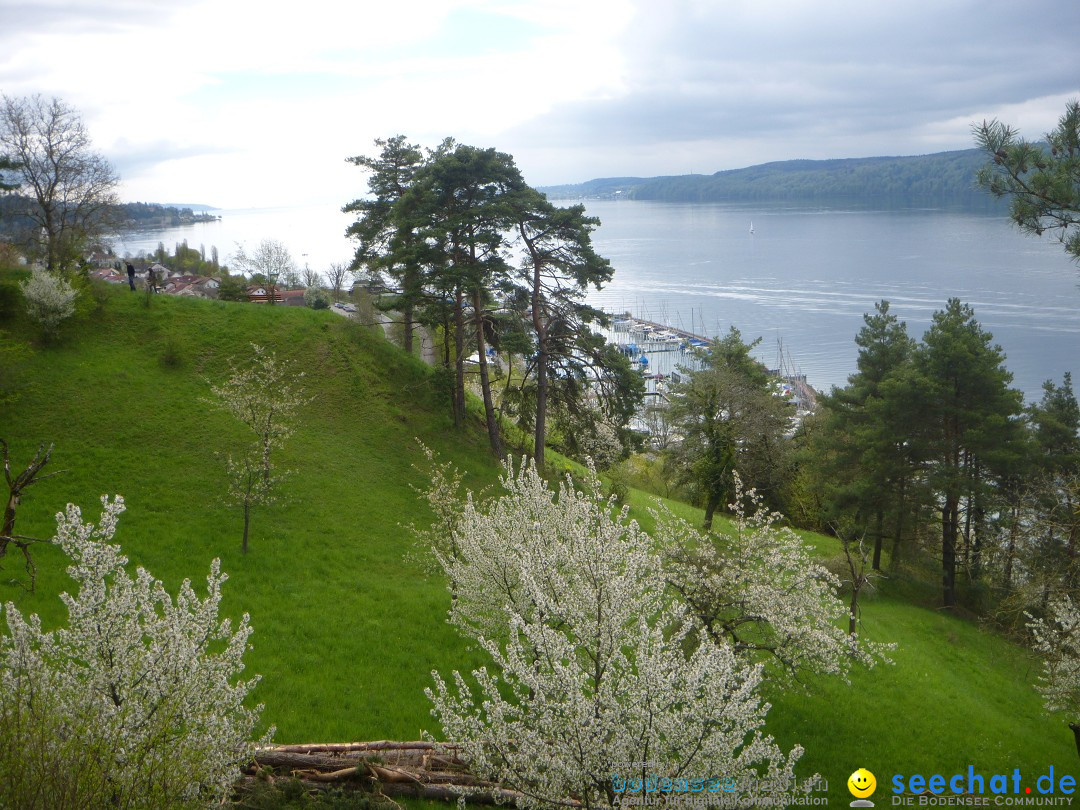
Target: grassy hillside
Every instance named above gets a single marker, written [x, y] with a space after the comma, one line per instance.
[347, 625]
[346, 630]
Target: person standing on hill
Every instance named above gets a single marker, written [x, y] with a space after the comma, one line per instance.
[131, 276]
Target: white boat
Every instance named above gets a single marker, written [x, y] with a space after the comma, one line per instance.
[751, 227]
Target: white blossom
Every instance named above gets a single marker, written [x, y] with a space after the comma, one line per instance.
[600, 443]
[1057, 641]
[49, 299]
[136, 701]
[595, 666]
[761, 590]
[264, 396]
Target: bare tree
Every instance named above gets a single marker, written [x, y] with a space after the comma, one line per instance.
[271, 260]
[311, 278]
[70, 189]
[336, 274]
[16, 485]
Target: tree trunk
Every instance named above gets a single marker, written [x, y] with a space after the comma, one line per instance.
[451, 389]
[711, 503]
[247, 523]
[540, 424]
[407, 323]
[485, 381]
[894, 561]
[459, 346]
[853, 611]
[950, 519]
[879, 529]
[408, 287]
[978, 520]
[1010, 555]
[540, 435]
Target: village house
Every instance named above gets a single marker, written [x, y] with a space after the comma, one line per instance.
[197, 286]
[109, 276]
[259, 295]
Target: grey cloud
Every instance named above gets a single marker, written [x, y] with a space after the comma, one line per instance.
[83, 16]
[815, 72]
[130, 160]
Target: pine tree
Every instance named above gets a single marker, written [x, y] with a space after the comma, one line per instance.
[460, 207]
[866, 421]
[1043, 184]
[559, 266]
[730, 419]
[971, 419]
[385, 244]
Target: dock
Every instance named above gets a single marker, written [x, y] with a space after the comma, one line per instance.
[659, 338]
[658, 331]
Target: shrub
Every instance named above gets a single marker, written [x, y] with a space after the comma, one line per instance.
[317, 298]
[9, 298]
[49, 300]
[172, 354]
[136, 701]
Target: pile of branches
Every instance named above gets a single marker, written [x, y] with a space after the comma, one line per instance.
[389, 769]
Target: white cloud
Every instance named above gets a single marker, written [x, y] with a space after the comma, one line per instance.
[237, 102]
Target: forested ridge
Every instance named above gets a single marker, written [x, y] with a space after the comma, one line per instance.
[939, 177]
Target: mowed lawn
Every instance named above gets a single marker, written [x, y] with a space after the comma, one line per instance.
[349, 623]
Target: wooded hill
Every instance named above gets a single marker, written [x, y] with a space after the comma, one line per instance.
[132, 215]
[941, 178]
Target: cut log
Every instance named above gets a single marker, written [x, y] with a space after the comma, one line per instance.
[418, 769]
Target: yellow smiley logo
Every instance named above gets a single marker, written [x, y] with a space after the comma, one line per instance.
[861, 783]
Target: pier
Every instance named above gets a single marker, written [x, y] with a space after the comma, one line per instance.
[658, 331]
[679, 347]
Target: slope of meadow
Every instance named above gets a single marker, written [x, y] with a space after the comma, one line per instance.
[348, 625]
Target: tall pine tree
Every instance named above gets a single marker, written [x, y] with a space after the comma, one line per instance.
[971, 419]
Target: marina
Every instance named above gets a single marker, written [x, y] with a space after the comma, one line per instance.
[664, 354]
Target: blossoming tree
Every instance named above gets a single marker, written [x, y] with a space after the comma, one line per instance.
[50, 300]
[264, 396]
[136, 701]
[1057, 641]
[759, 589]
[597, 674]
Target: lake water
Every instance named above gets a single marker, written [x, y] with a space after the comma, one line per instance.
[805, 276]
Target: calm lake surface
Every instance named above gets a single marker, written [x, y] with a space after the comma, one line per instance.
[805, 276]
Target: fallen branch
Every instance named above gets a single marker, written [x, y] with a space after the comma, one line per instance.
[420, 769]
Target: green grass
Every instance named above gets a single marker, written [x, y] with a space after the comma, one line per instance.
[348, 626]
[347, 629]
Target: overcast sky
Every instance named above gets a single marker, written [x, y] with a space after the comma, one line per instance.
[251, 103]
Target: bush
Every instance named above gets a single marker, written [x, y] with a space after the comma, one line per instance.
[172, 356]
[9, 300]
[135, 702]
[619, 484]
[9, 255]
[317, 298]
[49, 300]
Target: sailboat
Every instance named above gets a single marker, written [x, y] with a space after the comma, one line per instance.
[751, 227]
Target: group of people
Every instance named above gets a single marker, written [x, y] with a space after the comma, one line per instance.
[151, 278]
